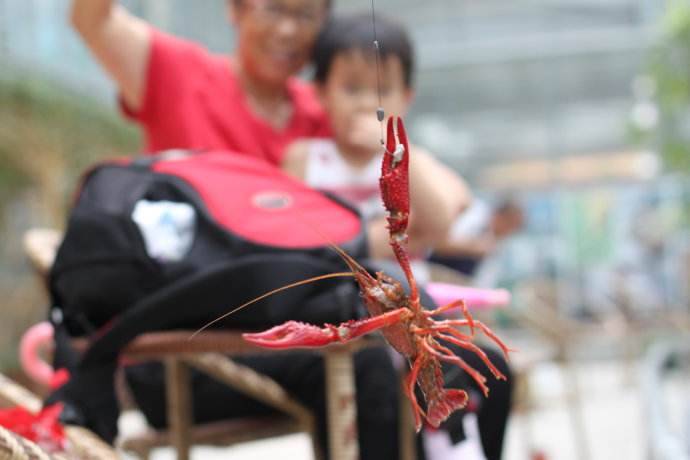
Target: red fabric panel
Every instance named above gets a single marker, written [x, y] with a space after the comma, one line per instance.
[261, 203]
[193, 100]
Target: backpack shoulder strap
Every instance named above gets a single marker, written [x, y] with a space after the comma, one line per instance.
[215, 291]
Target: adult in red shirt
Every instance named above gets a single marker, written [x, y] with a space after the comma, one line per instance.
[185, 97]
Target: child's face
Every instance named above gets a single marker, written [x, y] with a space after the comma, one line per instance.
[350, 96]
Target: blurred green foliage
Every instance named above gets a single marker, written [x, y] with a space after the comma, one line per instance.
[669, 68]
[43, 125]
[48, 136]
[585, 222]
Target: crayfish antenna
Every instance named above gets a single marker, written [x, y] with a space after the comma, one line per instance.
[268, 294]
[349, 260]
[351, 263]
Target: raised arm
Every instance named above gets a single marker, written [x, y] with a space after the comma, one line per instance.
[119, 41]
[437, 196]
[470, 246]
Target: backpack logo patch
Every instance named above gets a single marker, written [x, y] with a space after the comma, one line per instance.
[272, 200]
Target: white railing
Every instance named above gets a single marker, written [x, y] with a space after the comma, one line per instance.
[665, 443]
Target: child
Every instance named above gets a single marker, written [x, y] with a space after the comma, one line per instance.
[349, 165]
[348, 79]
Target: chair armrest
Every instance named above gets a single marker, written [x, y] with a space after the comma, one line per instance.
[40, 245]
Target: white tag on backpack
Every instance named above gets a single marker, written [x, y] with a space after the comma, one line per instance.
[167, 228]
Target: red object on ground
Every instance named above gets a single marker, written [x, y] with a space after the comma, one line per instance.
[42, 428]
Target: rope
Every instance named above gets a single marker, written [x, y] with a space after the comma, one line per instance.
[14, 447]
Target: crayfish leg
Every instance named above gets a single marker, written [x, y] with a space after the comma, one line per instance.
[409, 387]
[473, 348]
[441, 402]
[451, 306]
[485, 329]
[444, 354]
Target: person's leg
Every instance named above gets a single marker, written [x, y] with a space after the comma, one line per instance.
[378, 387]
[492, 411]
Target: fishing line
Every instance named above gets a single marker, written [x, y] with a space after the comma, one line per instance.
[450, 373]
[380, 113]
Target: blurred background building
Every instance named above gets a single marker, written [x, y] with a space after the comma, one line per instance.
[498, 81]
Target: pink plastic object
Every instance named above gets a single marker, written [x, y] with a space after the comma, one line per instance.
[444, 293]
[37, 337]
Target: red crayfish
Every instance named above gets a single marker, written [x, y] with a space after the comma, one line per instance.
[408, 328]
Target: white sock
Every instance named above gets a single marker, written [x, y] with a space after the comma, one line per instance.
[438, 445]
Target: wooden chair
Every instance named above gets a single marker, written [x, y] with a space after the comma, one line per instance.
[208, 353]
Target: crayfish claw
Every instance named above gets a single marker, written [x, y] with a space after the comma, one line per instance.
[402, 134]
[391, 143]
[394, 182]
[293, 334]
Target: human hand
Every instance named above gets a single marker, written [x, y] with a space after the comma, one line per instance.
[365, 132]
[485, 245]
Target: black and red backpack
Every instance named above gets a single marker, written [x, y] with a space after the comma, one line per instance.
[253, 229]
[247, 217]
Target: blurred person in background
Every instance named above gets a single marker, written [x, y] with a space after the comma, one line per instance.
[476, 235]
[251, 103]
[639, 282]
[183, 96]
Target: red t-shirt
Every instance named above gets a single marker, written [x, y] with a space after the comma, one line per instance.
[192, 100]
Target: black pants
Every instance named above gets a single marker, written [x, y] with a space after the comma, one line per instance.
[302, 375]
[494, 411]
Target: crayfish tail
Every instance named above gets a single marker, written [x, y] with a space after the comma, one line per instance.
[440, 408]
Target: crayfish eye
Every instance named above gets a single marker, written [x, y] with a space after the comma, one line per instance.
[380, 294]
[393, 293]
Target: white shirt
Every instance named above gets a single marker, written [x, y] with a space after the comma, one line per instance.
[327, 170]
[471, 223]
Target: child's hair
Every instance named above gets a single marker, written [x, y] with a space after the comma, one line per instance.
[356, 32]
